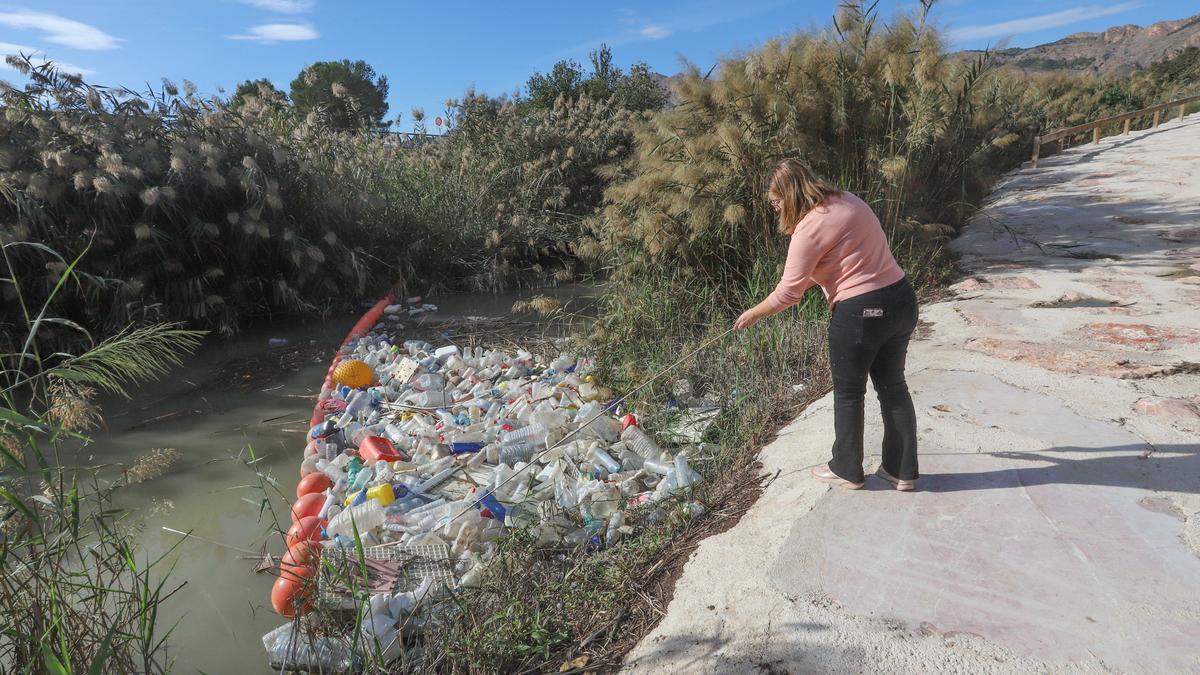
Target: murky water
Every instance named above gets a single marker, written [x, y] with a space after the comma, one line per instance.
[224, 401]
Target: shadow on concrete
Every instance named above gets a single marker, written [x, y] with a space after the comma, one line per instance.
[1174, 468]
[781, 649]
[1080, 220]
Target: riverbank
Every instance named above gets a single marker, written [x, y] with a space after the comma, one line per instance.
[1055, 525]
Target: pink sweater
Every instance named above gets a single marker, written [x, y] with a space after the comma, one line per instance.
[840, 246]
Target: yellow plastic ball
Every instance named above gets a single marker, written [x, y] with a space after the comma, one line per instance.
[353, 373]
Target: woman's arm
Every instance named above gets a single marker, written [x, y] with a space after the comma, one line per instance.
[803, 255]
[758, 312]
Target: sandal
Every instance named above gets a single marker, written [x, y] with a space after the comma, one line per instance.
[900, 485]
[823, 474]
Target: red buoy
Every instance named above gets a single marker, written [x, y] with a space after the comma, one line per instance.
[308, 505]
[313, 482]
[290, 595]
[305, 529]
[304, 554]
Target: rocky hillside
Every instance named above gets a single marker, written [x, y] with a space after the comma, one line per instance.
[1117, 51]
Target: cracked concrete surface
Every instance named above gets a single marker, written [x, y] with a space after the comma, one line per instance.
[1057, 523]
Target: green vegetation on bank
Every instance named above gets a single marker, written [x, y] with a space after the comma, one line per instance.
[214, 212]
[77, 594]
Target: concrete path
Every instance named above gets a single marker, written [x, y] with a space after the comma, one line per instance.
[1057, 523]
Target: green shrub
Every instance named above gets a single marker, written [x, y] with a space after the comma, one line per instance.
[503, 198]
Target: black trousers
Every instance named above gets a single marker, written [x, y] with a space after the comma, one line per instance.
[868, 335]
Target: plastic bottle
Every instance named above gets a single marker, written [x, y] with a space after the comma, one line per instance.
[516, 452]
[434, 480]
[660, 468]
[331, 470]
[429, 381]
[383, 471]
[364, 476]
[604, 460]
[382, 494]
[613, 533]
[534, 434]
[427, 399]
[366, 517]
[635, 439]
[309, 465]
[683, 473]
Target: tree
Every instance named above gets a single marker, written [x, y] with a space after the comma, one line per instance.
[639, 91]
[606, 82]
[605, 76]
[564, 79]
[262, 88]
[348, 94]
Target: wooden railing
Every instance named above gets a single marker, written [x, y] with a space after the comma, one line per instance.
[1157, 110]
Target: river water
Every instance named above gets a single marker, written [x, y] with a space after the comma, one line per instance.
[230, 397]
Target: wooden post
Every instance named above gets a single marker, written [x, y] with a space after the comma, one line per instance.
[1181, 107]
[1062, 144]
[1127, 123]
[1037, 148]
[1157, 116]
[1096, 135]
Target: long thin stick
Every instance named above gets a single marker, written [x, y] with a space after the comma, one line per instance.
[602, 411]
[256, 554]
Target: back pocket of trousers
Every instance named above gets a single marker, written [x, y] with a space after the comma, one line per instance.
[871, 323]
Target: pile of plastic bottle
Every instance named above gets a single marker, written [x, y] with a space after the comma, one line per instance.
[425, 446]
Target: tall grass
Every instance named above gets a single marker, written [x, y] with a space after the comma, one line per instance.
[76, 594]
[212, 214]
[191, 212]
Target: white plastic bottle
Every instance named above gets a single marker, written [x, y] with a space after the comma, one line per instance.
[534, 434]
[366, 517]
[635, 439]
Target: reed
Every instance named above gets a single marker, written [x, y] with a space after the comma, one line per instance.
[77, 595]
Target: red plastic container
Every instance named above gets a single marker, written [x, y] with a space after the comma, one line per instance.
[375, 448]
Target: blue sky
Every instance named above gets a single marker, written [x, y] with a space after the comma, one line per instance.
[431, 52]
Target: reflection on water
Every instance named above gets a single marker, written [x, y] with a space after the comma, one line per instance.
[224, 400]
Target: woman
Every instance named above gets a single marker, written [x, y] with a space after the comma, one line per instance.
[837, 242]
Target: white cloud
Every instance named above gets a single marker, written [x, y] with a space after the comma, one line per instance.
[282, 6]
[642, 28]
[38, 57]
[60, 30]
[270, 33]
[696, 17]
[1035, 23]
[654, 32]
[8, 48]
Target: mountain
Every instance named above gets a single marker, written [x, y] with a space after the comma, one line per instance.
[1117, 51]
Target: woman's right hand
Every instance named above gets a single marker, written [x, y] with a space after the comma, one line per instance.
[747, 319]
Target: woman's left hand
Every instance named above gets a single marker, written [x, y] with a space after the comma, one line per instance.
[747, 319]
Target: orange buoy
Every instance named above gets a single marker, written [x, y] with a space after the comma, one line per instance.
[308, 505]
[305, 529]
[353, 373]
[299, 572]
[291, 594]
[304, 554]
[313, 482]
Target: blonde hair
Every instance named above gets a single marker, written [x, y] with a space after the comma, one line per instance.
[799, 189]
